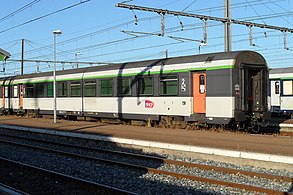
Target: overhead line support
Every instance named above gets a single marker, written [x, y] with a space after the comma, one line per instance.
[50, 61]
[224, 20]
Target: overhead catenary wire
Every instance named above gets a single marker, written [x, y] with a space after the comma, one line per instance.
[234, 5]
[129, 50]
[46, 15]
[88, 35]
[161, 45]
[117, 26]
[95, 48]
[170, 29]
[277, 13]
[255, 11]
[29, 5]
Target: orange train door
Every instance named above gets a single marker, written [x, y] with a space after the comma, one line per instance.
[20, 96]
[199, 93]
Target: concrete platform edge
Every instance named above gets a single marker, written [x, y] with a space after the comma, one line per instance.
[196, 149]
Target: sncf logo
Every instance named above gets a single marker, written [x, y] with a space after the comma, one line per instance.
[149, 104]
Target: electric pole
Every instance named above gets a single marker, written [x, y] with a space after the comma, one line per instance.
[227, 26]
[22, 56]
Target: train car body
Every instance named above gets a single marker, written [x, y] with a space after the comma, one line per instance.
[281, 90]
[216, 88]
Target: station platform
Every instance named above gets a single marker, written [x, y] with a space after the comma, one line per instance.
[284, 125]
[261, 148]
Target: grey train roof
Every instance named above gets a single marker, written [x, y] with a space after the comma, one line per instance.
[156, 62]
[281, 70]
[5, 53]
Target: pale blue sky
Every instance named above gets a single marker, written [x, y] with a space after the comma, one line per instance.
[93, 29]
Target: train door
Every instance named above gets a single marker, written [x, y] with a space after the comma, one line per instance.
[20, 96]
[199, 93]
[275, 93]
[254, 84]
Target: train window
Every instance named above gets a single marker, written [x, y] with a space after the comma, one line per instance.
[124, 86]
[29, 91]
[201, 84]
[50, 90]
[106, 87]
[62, 89]
[75, 89]
[6, 91]
[145, 86]
[287, 87]
[15, 91]
[277, 87]
[169, 85]
[90, 88]
[40, 90]
[201, 80]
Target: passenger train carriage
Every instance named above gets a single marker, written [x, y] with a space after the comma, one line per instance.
[281, 82]
[217, 88]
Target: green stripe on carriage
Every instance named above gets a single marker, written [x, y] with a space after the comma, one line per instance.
[282, 78]
[220, 67]
[128, 74]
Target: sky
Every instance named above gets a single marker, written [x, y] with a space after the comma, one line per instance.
[97, 32]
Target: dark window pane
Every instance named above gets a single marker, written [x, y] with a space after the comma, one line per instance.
[62, 89]
[201, 84]
[107, 87]
[201, 79]
[145, 86]
[29, 91]
[90, 88]
[40, 90]
[75, 88]
[277, 87]
[124, 86]
[169, 85]
[50, 90]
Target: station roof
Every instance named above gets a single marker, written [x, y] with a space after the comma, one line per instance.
[4, 54]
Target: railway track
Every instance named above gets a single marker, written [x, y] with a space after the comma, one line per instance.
[45, 181]
[5, 189]
[141, 163]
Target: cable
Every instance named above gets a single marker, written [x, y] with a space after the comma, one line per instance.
[236, 5]
[19, 10]
[277, 13]
[189, 5]
[92, 34]
[255, 12]
[44, 16]
[29, 43]
[92, 47]
[122, 41]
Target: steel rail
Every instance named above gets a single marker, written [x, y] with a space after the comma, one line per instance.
[84, 183]
[5, 189]
[148, 169]
[167, 161]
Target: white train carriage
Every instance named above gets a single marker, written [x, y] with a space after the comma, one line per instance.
[281, 88]
[216, 88]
